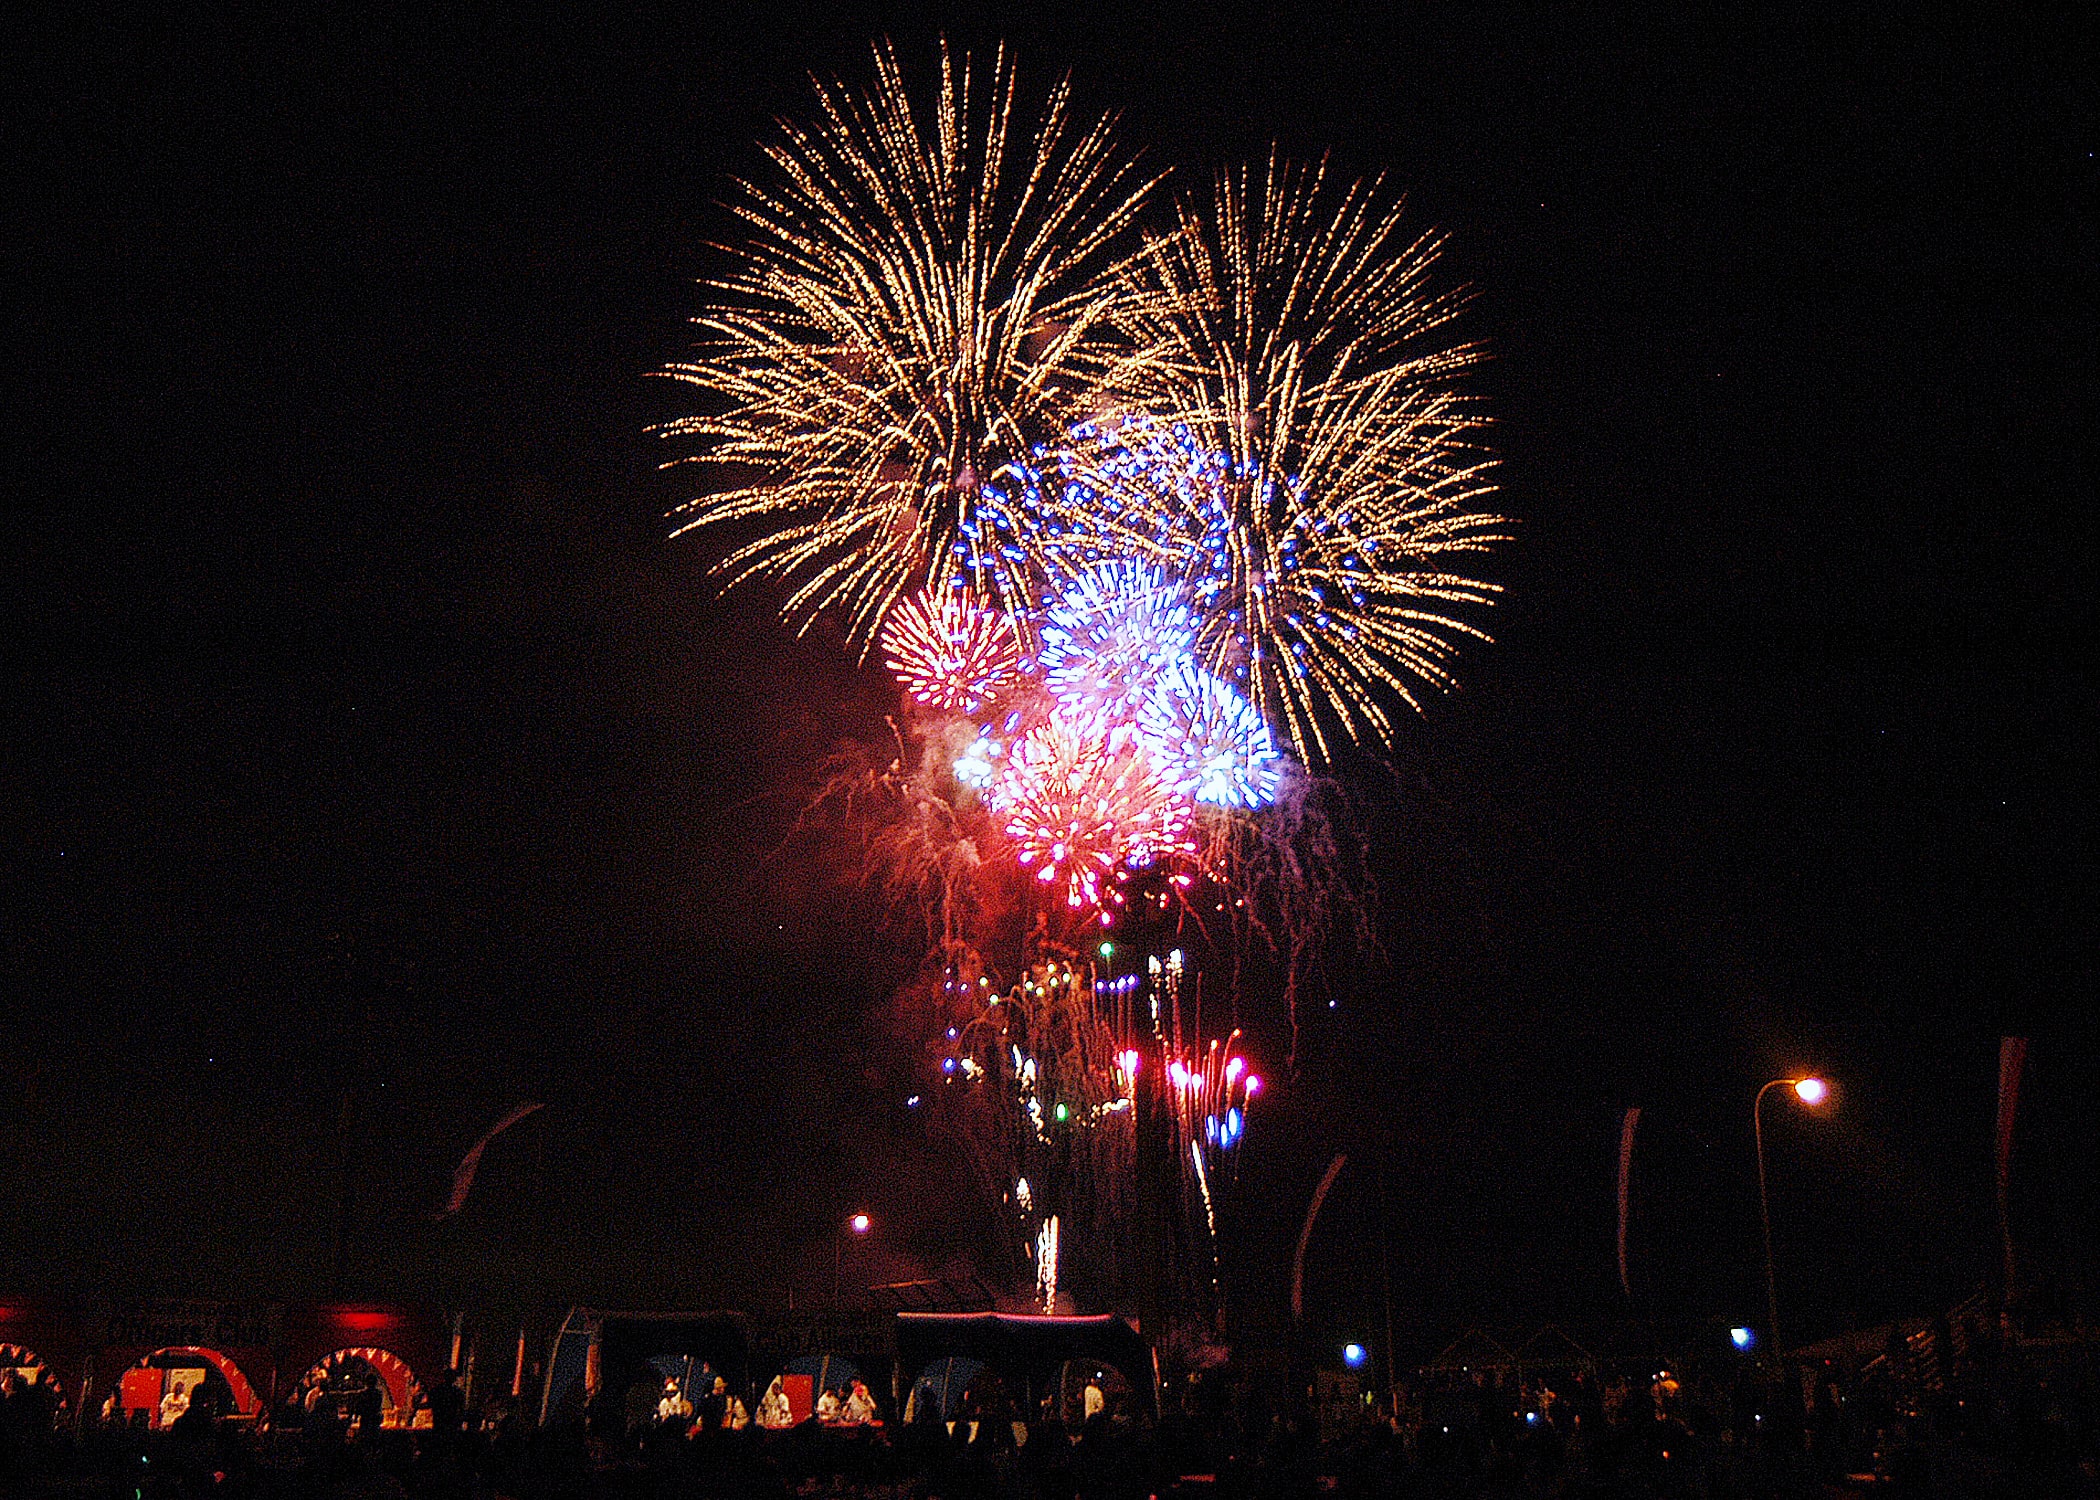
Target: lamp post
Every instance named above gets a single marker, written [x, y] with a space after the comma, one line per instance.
[857, 1225]
[1810, 1091]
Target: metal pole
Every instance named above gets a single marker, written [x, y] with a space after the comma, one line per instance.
[1764, 1214]
[1385, 1281]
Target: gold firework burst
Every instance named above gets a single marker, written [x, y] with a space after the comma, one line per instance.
[1311, 390]
[923, 298]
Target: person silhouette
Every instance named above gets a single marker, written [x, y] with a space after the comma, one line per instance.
[369, 1407]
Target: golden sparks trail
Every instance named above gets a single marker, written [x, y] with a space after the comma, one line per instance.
[1311, 357]
[922, 299]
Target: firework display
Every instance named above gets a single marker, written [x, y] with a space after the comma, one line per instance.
[1111, 635]
[956, 358]
[1084, 802]
[1048, 1077]
[949, 653]
[1312, 379]
[1207, 740]
[920, 300]
[1149, 517]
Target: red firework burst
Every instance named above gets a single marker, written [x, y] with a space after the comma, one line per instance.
[949, 652]
[1084, 802]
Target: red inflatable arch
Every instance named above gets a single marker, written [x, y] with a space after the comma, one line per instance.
[245, 1402]
[402, 1389]
[21, 1357]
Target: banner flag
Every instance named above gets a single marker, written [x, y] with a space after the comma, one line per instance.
[2012, 1061]
[463, 1179]
[1626, 1129]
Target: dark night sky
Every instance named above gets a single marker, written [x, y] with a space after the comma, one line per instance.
[363, 730]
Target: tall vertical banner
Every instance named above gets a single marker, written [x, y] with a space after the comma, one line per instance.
[1626, 1129]
[2012, 1061]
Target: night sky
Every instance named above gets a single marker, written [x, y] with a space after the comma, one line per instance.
[365, 735]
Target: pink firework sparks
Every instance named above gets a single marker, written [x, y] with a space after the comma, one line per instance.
[1084, 802]
[949, 652]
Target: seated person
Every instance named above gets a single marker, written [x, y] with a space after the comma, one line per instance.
[859, 1407]
[673, 1407]
[774, 1410]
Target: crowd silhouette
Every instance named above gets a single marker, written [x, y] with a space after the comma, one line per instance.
[1998, 1421]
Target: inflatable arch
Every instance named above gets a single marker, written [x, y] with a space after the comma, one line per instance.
[143, 1384]
[27, 1363]
[397, 1382]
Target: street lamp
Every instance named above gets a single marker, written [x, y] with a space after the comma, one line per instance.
[858, 1225]
[1811, 1091]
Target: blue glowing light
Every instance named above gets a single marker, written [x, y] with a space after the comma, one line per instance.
[1353, 1355]
[1742, 1338]
[1116, 630]
[978, 765]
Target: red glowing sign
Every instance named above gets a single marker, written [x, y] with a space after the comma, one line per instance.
[363, 1321]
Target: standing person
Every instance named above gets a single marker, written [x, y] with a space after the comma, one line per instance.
[774, 1411]
[37, 1402]
[859, 1408]
[673, 1407]
[714, 1406]
[325, 1418]
[448, 1405]
[195, 1422]
[174, 1403]
[369, 1407]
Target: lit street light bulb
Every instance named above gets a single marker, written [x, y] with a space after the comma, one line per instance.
[858, 1223]
[1811, 1091]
